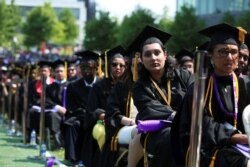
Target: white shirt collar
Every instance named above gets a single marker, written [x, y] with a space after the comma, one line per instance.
[91, 84]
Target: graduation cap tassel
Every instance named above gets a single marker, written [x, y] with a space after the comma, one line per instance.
[106, 65]
[66, 69]
[135, 68]
[99, 70]
[37, 71]
[242, 33]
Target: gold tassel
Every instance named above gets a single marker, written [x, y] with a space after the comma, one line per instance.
[242, 33]
[37, 71]
[106, 64]
[66, 70]
[135, 68]
[213, 159]
[99, 69]
[112, 144]
[115, 143]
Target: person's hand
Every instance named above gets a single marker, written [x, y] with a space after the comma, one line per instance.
[61, 110]
[239, 139]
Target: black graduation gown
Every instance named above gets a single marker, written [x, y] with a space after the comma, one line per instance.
[54, 96]
[151, 106]
[215, 134]
[97, 102]
[53, 120]
[116, 109]
[77, 97]
[34, 98]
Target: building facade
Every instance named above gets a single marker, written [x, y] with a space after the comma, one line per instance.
[212, 11]
[207, 7]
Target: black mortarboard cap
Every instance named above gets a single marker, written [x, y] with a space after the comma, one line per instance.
[224, 34]
[44, 64]
[116, 50]
[203, 46]
[155, 35]
[72, 62]
[58, 63]
[247, 40]
[87, 55]
[183, 56]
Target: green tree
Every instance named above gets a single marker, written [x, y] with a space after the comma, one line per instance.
[228, 18]
[70, 28]
[184, 30]
[244, 21]
[101, 32]
[9, 22]
[40, 25]
[165, 22]
[133, 24]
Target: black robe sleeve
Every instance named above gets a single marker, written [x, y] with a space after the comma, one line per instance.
[148, 105]
[116, 105]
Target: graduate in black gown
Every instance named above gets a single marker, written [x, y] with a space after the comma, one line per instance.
[97, 101]
[185, 60]
[120, 112]
[158, 92]
[56, 102]
[72, 73]
[34, 95]
[77, 98]
[222, 115]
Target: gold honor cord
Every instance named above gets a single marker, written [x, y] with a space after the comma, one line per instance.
[210, 89]
[167, 101]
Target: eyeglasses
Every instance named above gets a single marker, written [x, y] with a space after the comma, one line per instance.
[225, 52]
[118, 64]
[245, 57]
[71, 69]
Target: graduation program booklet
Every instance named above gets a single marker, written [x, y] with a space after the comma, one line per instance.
[38, 109]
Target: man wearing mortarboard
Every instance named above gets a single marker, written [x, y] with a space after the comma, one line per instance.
[72, 69]
[243, 58]
[185, 60]
[77, 97]
[56, 102]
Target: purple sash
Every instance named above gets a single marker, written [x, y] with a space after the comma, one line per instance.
[152, 125]
[244, 149]
[50, 162]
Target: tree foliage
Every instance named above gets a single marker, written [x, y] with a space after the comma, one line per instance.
[133, 24]
[228, 18]
[244, 21]
[184, 30]
[101, 32]
[9, 22]
[70, 28]
[165, 22]
[40, 25]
